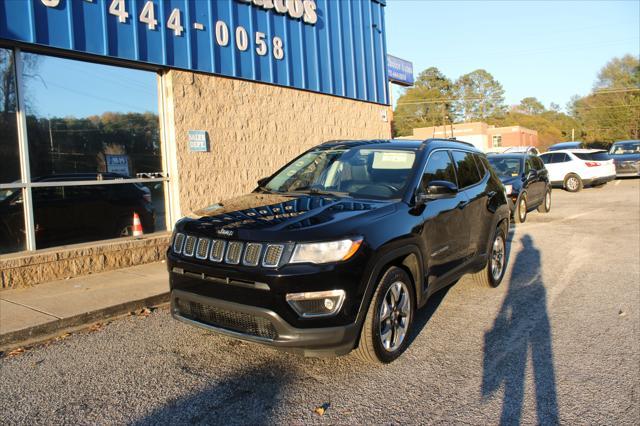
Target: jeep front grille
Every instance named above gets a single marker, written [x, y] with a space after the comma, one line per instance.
[189, 246]
[229, 320]
[233, 253]
[217, 250]
[178, 241]
[272, 255]
[252, 254]
[202, 251]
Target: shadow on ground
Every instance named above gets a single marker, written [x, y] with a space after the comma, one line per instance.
[254, 392]
[522, 330]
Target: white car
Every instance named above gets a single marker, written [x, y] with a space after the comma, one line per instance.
[574, 168]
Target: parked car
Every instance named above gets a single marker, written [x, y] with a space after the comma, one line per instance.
[526, 182]
[567, 145]
[572, 169]
[626, 157]
[513, 149]
[71, 214]
[339, 248]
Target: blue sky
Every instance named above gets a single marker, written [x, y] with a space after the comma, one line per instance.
[547, 49]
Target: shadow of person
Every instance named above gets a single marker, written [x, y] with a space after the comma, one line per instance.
[521, 329]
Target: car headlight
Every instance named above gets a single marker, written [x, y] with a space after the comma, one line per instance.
[508, 189]
[327, 252]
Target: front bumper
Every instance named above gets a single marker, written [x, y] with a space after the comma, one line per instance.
[261, 325]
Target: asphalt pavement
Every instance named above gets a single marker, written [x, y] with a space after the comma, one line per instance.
[558, 341]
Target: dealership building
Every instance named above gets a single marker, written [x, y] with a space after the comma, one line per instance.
[162, 107]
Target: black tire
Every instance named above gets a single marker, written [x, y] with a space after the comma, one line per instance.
[545, 207]
[521, 210]
[371, 347]
[572, 182]
[487, 276]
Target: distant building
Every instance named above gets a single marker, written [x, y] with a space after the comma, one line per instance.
[482, 135]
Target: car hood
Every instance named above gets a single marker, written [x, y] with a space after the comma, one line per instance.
[280, 217]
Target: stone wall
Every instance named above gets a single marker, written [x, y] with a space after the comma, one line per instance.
[27, 269]
[254, 129]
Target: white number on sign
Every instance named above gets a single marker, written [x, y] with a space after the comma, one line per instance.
[242, 39]
[118, 9]
[278, 51]
[148, 15]
[222, 33]
[51, 3]
[261, 48]
[174, 22]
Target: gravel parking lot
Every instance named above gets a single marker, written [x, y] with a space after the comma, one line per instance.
[558, 341]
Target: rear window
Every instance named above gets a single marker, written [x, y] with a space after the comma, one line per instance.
[592, 156]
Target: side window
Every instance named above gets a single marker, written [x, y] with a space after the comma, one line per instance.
[481, 167]
[527, 166]
[466, 168]
[546, 158]
[439, 167]
[562, 158]
[537, 163]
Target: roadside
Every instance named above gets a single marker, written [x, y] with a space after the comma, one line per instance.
[32, 315]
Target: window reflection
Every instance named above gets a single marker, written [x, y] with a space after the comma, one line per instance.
[12, 229]
[75, 214]
[10, 169]
[89, 118]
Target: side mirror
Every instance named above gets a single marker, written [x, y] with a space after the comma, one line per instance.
[436, 190]
[263, 181]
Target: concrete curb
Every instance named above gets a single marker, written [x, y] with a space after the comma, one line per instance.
[43, 332]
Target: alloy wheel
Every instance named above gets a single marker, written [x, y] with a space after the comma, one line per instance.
[522, 209]
[497, 257]
[572, 183]
[395, 312]
[547, 201]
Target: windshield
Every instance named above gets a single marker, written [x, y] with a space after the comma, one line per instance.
[506, 167]
[357, 172]
[625, 148]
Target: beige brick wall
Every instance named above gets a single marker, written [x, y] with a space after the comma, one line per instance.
[254, 129]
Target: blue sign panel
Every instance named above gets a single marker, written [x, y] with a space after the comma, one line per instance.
[198, 141]
[400, 71]
[329, 46]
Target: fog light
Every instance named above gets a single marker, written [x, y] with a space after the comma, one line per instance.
[316, 303]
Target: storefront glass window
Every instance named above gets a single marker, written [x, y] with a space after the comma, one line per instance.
[89, 118]
[10, 168]
[12, 229]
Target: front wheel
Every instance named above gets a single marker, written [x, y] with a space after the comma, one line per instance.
[521, 208]
[493, 272]
[389, 318]
[545, 207]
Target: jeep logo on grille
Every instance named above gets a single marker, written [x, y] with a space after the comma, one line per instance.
[225, 232]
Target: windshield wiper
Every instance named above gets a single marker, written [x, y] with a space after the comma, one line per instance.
[316, 191]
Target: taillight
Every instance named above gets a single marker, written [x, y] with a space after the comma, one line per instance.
[592, 164]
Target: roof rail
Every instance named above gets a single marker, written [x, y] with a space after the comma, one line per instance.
[448, 140]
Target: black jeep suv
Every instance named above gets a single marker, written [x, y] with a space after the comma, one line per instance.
[338, 249]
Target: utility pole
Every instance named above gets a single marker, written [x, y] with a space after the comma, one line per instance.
[573, 135]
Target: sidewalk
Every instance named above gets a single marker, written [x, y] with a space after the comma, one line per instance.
[34, 314]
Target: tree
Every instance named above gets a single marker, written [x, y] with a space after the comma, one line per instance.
[531, 106]
[478, 97]
[619, 73]
[612, 110]
[427, 103]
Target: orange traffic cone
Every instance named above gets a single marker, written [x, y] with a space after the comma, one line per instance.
[137, 226]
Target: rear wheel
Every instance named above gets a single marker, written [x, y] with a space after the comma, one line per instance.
[545, 207]
[521, 208]
[493, 272]
[389, 318]
[572, 183]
